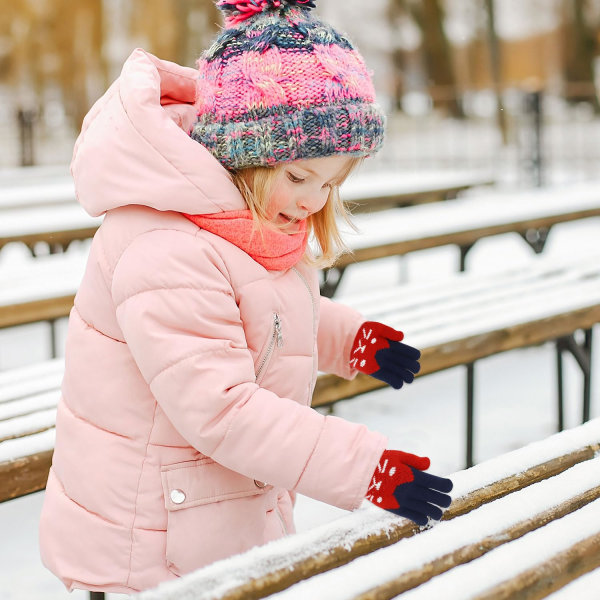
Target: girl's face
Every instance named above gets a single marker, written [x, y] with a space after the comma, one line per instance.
[302, 189]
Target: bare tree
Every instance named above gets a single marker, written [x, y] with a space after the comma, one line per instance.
[579, 51]
[436, 51]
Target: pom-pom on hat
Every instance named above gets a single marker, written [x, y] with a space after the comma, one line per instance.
[279, 85]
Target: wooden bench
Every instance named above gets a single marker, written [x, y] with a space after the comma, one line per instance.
[28, 399]
[55, 224]
[467, 317]
[463, 222]
[522, 525]
[379, 190]
[455, 322]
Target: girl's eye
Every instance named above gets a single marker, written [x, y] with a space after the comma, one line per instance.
[294, 179]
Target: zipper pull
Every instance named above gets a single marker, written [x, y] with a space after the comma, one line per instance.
[277, 325]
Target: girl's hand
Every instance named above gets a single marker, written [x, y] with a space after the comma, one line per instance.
[400, 486]
[377, 351]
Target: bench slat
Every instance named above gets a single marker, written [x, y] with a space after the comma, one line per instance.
[24, 475]
[29, 405]
[27, 425]
[275, 567]
[31, 379]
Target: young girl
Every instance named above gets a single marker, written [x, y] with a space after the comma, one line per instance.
[185, 429]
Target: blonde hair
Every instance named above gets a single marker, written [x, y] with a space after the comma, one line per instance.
[256, 186]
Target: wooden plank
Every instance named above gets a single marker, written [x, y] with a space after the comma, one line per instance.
[330, 388]
[281, 579]
[464, 237]
[24, 475]
[551, 575]
[411, 579]
[37, 310]
[61, 237]
[377, 203]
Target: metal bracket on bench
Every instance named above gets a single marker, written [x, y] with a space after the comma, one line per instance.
[464, 250]
[583, 356]
[536, 238]
[332, 279]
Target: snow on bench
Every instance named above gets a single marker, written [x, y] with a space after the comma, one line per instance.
[454, 322]
[20, 188]
[472, 315]
[54, 224]
[28, 399]
[377, 190]
[466, 220]
[39, 289]
[525, 522]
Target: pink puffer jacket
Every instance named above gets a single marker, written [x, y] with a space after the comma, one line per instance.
[184, 427]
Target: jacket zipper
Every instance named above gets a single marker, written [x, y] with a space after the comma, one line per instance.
[276, 338]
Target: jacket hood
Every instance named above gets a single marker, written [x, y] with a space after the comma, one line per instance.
[134, 147]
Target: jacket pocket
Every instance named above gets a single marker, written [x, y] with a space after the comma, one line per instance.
[213, 513]
[275, 341]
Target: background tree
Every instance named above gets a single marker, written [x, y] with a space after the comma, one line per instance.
[580, 46]
[435, 50]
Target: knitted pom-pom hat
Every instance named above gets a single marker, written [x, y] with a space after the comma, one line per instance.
[279, 85]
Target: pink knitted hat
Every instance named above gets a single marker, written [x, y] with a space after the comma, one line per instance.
[278, 85]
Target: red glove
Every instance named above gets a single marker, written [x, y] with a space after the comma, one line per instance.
[377, 351]
[400, 486]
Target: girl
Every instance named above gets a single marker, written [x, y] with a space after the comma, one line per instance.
[185, 429]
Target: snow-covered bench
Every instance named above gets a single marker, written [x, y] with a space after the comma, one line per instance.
[39, 289]
[454, 322]
[372, 191]
[522, 525]
[28, 399]
[463, 222]
[470, 316]
[55, 224]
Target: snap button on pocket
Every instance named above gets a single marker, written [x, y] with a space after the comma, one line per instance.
[260, 484]
[177, 496]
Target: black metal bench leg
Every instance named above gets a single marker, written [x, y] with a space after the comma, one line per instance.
[587, 376]
[560, 388]
[332, 278]
[470, 413]
[96, 595]
[464, 250]
[583, 356]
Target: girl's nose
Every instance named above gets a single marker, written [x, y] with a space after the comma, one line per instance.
[311, 204]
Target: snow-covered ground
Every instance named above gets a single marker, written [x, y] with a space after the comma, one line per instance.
[516, 399]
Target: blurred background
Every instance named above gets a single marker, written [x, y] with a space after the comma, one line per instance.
[506, 85]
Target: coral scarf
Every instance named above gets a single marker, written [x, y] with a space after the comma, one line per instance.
[273, 249]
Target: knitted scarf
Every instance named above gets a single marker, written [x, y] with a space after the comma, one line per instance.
[274, 250]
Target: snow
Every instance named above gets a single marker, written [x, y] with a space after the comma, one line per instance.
[57, 191]
[54, 217]
[19, 426]
[43, 277]
[446, 537]
[382, 565]
[32, 444]
[486, 209]
[508, 560]
[515, 405]
[370, 185]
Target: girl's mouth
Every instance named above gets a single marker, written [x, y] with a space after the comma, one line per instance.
[291, 224]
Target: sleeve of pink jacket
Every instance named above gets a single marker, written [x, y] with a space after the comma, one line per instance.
[338, 325]
[179, 317]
